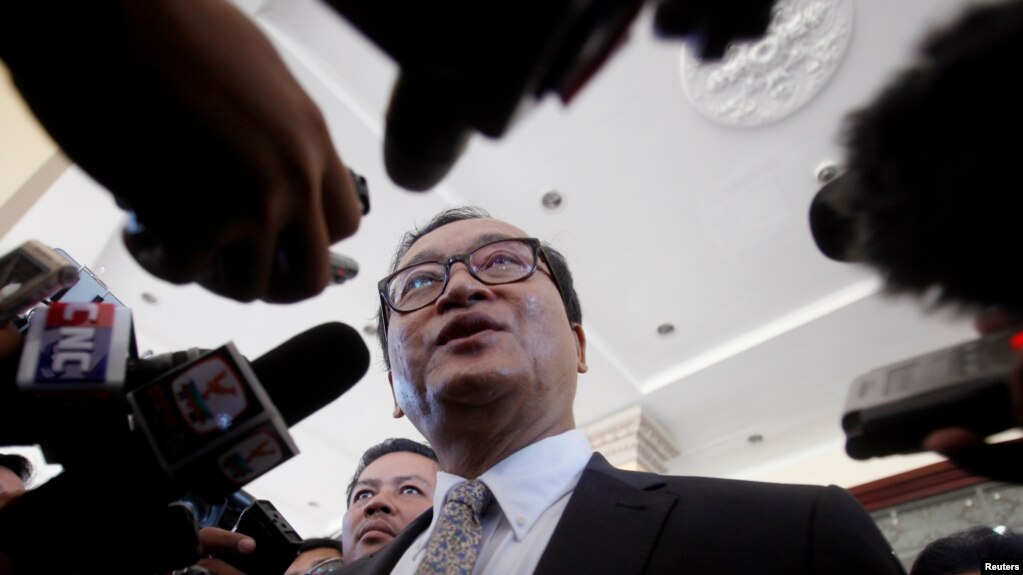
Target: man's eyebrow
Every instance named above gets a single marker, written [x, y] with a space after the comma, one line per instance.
[404, 478]
[364, 483]
[434, 255]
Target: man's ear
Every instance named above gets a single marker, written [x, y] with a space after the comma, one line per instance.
[398, 413]
[580, 347]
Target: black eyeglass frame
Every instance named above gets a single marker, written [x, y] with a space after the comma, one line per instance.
[538, 255]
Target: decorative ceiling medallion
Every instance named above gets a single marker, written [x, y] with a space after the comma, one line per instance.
[760, 82]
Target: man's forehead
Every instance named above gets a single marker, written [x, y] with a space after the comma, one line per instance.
[458, 237]
[398, 463]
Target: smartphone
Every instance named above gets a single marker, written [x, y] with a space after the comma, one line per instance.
[892, 409]
[29, 275]
[85, 287]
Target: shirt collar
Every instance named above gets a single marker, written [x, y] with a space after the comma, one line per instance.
[529, 481]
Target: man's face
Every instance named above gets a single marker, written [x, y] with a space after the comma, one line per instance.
[498, 357]
[390, 493]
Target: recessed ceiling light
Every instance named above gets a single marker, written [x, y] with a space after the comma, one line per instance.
[552, 199]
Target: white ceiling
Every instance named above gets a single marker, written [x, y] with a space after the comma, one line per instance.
[667, 217]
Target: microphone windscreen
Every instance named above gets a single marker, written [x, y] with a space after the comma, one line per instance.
[423, 138]
[312, 369]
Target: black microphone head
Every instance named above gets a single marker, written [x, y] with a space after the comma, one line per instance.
[423, 138]
[312, 369]
[937, 201]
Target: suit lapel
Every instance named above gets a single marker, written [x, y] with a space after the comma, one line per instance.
[383, 561]
[609, 510]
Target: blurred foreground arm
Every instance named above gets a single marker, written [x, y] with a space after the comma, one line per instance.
[186, 113]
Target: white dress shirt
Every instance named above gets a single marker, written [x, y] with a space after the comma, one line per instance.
[531, 488]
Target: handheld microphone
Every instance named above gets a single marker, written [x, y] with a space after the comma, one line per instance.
[83, 495]
[73, 370]
[310, 357]
[214, 428]
[211, 425]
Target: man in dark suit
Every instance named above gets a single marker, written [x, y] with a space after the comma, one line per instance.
[482, 332]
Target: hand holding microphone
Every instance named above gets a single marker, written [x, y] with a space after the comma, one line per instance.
[189, 116]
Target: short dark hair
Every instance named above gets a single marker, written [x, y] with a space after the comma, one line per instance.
[557, 262]
[967, 551]
[18, 464]
[385, 447]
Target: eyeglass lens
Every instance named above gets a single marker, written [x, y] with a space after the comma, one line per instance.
[328, 567]
[497, 263]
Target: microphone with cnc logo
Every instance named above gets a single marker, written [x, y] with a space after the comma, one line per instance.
[207, 423]
[76, 370]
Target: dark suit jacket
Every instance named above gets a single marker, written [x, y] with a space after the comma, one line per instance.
[626, 522]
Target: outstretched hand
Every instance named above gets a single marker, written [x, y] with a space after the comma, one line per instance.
[1002, 461]
[187, 114]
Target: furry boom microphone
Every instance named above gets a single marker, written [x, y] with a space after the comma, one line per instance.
[931, 196]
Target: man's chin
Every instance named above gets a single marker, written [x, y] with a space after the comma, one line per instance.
[372, 542]
[476, 387]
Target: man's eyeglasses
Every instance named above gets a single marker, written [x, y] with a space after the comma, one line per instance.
[330, 566]
[500, 262]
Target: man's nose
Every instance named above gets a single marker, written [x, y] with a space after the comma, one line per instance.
[379, 504]
[462, 287]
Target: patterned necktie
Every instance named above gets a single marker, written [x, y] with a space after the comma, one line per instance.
[456, 540]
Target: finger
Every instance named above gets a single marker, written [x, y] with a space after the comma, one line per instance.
[950, 440]
[994, 319]
[301, 267]
[1016, 390]
[216, 540]
[342, 210]
[177, 260]
[1000, 461]
[241, 270]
